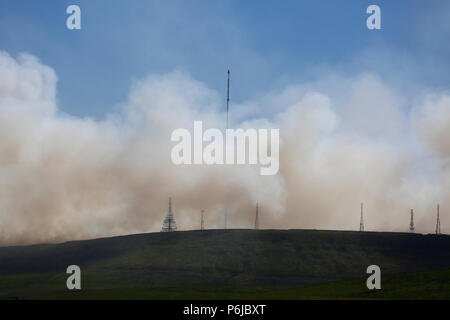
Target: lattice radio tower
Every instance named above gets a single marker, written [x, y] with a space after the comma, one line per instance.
[256, 218]
[169, 223]
[361, 220]
[411, 224]
[225, 219]
[202, 222]
[438, 222]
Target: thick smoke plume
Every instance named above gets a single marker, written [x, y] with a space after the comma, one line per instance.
[343, 141]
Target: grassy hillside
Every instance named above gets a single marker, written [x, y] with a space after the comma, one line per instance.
[233, 264]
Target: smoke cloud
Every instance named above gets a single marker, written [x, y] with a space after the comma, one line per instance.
[344, 140]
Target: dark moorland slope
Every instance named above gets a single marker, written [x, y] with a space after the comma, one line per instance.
[217, 259]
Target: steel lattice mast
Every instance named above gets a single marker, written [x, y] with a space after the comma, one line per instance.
[169, 223]
[361, 221]
[202, 223]
[438, 222]
[225, 219]
[256, 218]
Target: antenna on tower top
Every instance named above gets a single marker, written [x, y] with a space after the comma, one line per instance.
[438, 222]
[202, 222]
[361, 221]
[411, 224]
[228, 96]
[225, 219]
[256, 218]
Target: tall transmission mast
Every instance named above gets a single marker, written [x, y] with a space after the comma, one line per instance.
[438, 222]
[256, 218]
[202, 222]
[225, 219]
[228, 108]
[361, 221]
[169, 223]
[411, 224]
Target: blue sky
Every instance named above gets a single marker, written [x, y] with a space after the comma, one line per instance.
[267, 44]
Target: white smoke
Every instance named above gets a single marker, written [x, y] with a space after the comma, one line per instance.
[342, 142]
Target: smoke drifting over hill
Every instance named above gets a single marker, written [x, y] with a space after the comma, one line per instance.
[343, 141]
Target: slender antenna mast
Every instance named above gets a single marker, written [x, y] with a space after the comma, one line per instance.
[225, 219]
[228, 95]
[361, 221]
[256, 218]
[438, 222]
[411, 224]
[202, 223]
[228, 108]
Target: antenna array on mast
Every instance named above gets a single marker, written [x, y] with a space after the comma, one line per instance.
[202, 222]
[438, 222]
[361, 221]
[411, 224]
[256, 218]
[225, 219]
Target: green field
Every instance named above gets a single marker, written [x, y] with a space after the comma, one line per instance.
[232, 264]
